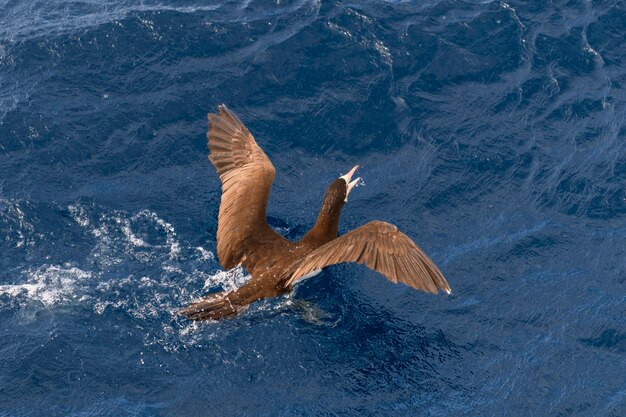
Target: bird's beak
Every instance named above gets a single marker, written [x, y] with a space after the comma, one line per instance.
[349, 175]
[351, 184]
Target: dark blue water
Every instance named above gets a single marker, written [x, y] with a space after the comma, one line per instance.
[492, 132]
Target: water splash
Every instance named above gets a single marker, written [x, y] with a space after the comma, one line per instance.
[137, 266]
[50, 285]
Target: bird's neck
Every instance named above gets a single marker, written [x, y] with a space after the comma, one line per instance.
[326, 227]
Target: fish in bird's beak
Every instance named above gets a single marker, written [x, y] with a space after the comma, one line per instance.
[351, 184]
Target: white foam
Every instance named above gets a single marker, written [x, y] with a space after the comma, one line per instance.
[50, 285]
[205, 255]
[131, 237]
[171, 241]
[229, 280]
[78, 214]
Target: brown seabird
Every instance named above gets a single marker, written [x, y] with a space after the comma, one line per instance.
[276, 263]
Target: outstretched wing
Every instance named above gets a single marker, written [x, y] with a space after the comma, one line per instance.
[247, 175]
[381, 247]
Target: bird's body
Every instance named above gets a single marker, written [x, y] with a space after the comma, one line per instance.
[276, 263]
[268, 267]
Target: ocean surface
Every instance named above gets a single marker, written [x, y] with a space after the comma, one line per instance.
[491, 132]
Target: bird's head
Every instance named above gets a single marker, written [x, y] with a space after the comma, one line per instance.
[339, 190]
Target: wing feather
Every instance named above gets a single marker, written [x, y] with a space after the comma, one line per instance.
[246, 174]
[383, 248]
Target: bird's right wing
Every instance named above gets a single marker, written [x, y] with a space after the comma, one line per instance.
[247, 175]
[381, 247]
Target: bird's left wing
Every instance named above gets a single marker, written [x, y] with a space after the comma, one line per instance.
[247, 175]
[381, 247]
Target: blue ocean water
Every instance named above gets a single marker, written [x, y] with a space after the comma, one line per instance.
[491, 132]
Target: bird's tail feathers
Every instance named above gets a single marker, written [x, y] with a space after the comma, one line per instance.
[214, 307]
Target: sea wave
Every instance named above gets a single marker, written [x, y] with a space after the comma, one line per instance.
[55, 18]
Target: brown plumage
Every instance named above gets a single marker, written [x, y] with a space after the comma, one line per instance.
[275, 263]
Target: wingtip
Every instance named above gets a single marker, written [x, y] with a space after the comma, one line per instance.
[220, 109]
